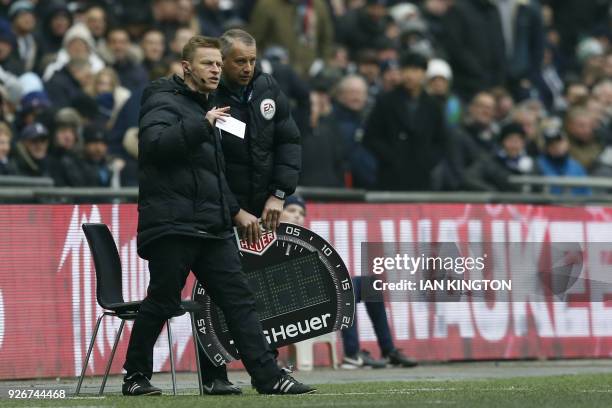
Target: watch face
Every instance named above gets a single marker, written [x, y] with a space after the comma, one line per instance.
[302, 290]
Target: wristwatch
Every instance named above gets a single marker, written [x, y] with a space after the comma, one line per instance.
[280, 194]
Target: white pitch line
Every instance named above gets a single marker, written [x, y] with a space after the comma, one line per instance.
[87, 398]
[605, 391]
[369, 403]
[360, 393]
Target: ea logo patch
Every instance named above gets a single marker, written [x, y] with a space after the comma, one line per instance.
[267, 108]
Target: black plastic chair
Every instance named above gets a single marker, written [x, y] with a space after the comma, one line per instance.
[109, 295]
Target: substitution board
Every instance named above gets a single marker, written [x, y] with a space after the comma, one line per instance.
[302, 290]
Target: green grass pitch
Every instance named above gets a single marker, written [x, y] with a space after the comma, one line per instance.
[559, 391]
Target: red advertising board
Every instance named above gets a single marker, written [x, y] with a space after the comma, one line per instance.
[48, 307]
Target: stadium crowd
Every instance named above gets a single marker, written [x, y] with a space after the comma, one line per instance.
[388, 94]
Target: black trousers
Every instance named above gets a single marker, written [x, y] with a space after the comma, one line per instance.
[216, 264]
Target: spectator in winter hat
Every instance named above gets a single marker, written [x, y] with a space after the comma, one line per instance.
[406, 131]
[97, 170]
[31, 151]
[56, 23]
[78, 44]
[439, 77]
[492, 172]
[390, 75]
[556, 161]
[23, 22]
[65, 164]
[294, 210]
[32, 106]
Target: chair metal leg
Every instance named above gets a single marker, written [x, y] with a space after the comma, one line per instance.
[171, 357]
[112, 357]
[91, 344]
[197, 355]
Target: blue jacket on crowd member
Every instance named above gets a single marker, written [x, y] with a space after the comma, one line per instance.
[362, 163]
[565, 166]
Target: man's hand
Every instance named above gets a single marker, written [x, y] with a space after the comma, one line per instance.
[272, 212]
[248, 226]
[217, 114]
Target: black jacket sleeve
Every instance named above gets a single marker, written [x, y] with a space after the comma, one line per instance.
[287, 148]
[166, 136]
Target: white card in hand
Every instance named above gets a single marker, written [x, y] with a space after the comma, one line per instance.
[232, 125]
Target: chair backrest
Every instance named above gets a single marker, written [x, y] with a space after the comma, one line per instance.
[107, 264]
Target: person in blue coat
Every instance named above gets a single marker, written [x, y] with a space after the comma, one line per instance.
[555, 160]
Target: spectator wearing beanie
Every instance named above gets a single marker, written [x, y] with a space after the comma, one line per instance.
[294, 210]
[34, 100]
[77, 44]
[556, 161]
[31, 151]
[23, 22]
[491, 173]
[56, 23]
[96, 167]
[439, 76]
[390, 75]
[406, 131]
[65, 164]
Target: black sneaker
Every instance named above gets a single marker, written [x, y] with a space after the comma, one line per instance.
[287, 385]
[396, 357]
[362, 359]
[138, 384]
[221, 387]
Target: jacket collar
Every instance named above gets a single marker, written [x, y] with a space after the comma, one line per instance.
[243, 94]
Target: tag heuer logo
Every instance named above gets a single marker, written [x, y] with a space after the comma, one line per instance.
[267, 108]
[259, 247]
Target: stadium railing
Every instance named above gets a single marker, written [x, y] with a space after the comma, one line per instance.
[14, 189]
[46, 195]
[598, 184]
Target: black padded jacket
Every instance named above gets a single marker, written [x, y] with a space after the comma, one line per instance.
[182, 186]
[269, 158]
